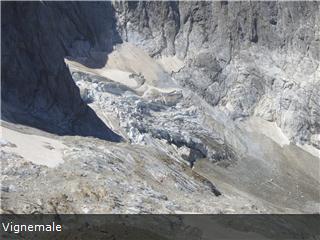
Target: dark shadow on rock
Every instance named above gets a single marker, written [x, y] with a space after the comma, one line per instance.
[36, 86]
[85, 123]
[88, 124]
[97, 27]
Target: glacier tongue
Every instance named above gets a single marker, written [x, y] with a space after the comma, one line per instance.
[181, 125]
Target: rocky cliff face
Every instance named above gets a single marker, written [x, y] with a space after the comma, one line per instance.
[246, 58]
[37, 88]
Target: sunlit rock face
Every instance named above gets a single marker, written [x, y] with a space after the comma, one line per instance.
[246, 58]
[217, 104]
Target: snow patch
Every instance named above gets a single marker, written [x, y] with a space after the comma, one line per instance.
[37, 149]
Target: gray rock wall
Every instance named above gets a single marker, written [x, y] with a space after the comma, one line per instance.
[184, 28]
[36, 87]
[247, 58]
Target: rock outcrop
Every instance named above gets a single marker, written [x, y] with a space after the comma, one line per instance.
[36, 87]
